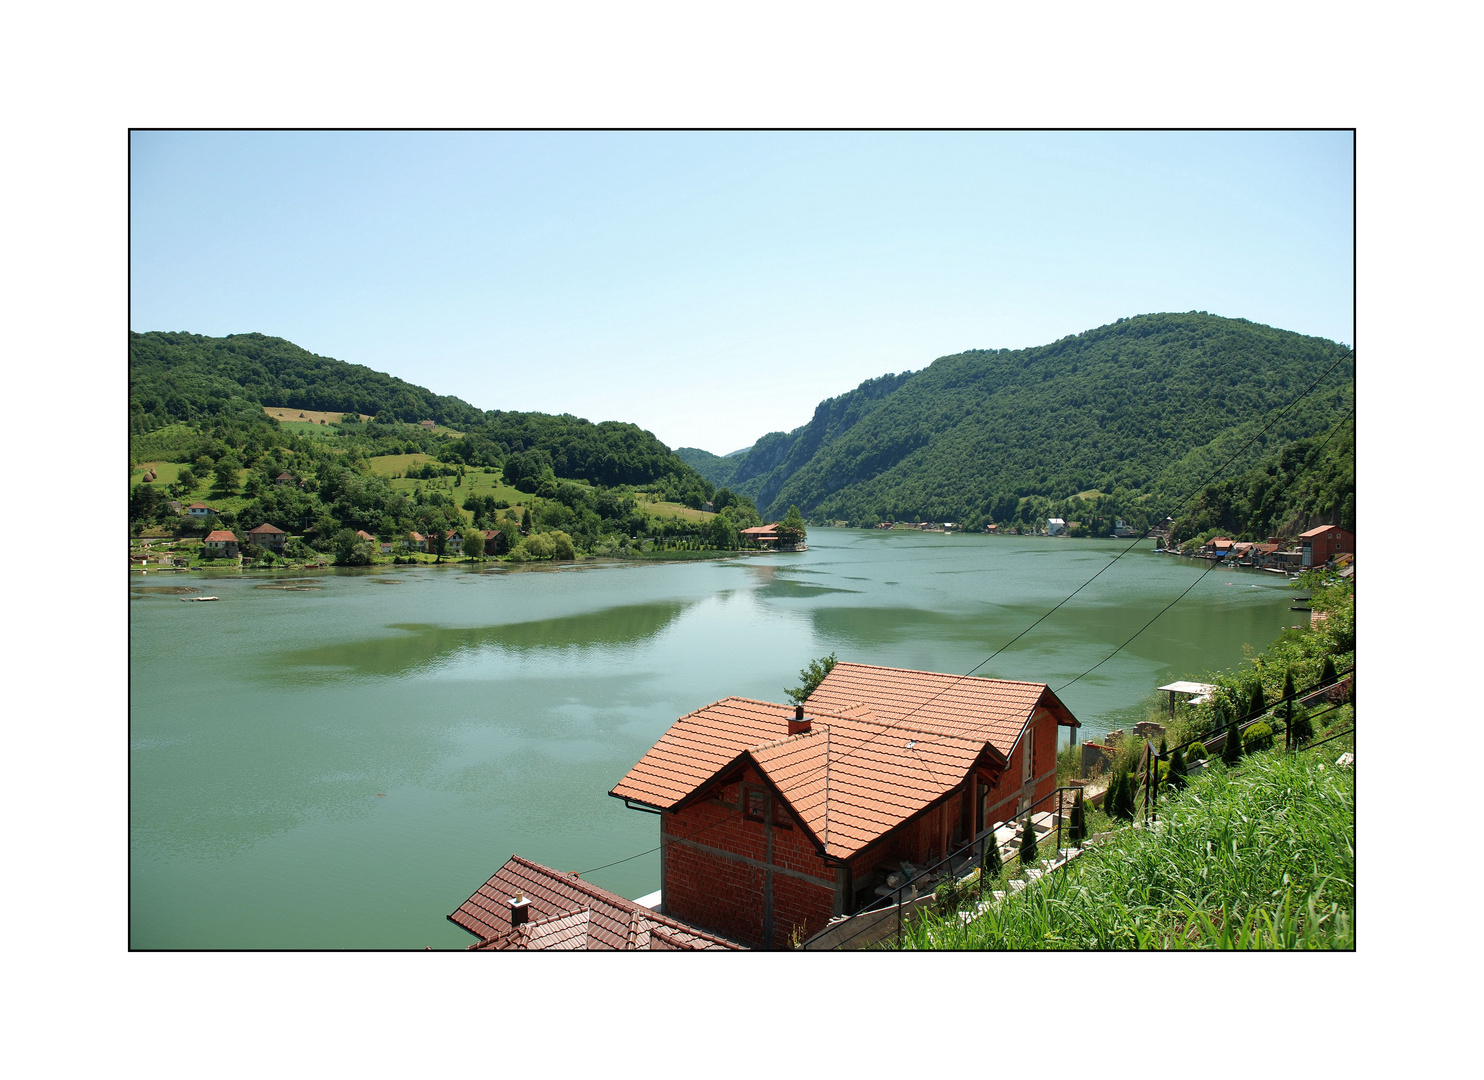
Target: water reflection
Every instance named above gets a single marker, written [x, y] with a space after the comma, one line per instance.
[417, 646]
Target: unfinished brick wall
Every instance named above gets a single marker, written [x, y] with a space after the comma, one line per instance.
[717, 871]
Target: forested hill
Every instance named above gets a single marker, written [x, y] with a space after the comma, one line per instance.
[1138, 411]
[177, 377]
[191, 377]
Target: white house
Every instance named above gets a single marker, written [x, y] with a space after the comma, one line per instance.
[1055, 526]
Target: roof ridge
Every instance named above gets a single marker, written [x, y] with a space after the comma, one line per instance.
[934, 674]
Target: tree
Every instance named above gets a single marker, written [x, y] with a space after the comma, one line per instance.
[525, 521]
[561, 545]
[1258, 702]
[1301, 726]
[1179, 773]
[1078, 830]
[791, 530]
[473, 543]
[810, 677]
[1028, 848]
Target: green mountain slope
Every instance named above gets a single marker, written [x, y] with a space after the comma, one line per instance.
[188, 377]
[1144, 408]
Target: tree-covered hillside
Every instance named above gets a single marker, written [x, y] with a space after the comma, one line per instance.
[1139, 411]
[188, 377]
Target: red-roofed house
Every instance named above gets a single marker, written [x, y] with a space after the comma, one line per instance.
[774, 819]
[1324, 543]
[362, 534]
[284, 478]
[221, 542]
[416, 541]
[199, 510]
[453, 542]
[530, 906]
[268, 536]
[762, 535]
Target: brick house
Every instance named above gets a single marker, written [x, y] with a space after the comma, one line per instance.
[220, 542]
[1324, 543]
[776, 818]
[268, 536]
[529, 906]
[416, 541]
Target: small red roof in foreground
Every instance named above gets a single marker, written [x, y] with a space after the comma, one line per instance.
[569, 913]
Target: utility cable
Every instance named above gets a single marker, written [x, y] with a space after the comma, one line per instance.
[917, 709]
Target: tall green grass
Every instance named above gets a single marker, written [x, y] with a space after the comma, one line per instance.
[1258, 857]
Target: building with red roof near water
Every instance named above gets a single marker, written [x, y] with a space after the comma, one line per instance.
[776, 818]
[1322, 544]
[221, 542]
[530, 906]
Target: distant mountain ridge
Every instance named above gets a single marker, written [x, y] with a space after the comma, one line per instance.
[1142, 406]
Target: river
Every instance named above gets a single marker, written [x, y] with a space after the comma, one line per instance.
[338, 760]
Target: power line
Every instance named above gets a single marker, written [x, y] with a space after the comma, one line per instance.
[917, 709]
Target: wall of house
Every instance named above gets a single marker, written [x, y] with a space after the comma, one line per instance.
[1005, 796]
[739, 877]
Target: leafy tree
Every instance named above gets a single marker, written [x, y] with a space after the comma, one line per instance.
[791, 529]
[352, 550]
[810, 677]
[473, 543]
[561, 545]
[1028, 848]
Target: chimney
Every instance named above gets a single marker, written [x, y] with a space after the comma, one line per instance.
[800, 723]
[520, 909]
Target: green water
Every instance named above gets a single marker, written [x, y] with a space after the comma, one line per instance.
[339, 765]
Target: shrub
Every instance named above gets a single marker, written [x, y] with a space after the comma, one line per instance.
[992, 865]
[1327, 672]
[1231, 750]
[1178, 771]
[1258, 703]
[1301, 726]
[1028, 849]
[1259, 737]
[1197, 752]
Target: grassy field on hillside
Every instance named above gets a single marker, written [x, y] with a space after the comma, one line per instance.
[305, 415]
[669, 509]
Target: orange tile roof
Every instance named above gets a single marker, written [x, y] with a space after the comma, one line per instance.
[264, 528]
[220, 536]
[884, 744]
[569, 913]
[936, 702]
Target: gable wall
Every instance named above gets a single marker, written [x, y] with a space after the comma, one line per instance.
[743, 878]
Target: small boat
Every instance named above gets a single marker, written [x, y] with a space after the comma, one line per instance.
[198, 599]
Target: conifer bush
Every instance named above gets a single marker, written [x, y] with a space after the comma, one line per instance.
[1259, 737]
[1257, 703]
[1231, 750]
[1301, 726]
[1178, 771]
[991, 865]
[1196, 752]
[1327, 673]
[1028, 848]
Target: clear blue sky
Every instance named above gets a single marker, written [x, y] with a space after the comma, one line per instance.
[712, 287]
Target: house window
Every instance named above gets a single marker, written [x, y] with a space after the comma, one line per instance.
[756, 806]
